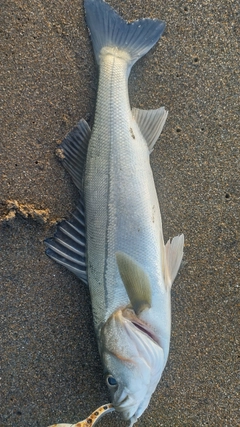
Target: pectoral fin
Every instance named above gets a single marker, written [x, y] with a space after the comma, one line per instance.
[136, 282]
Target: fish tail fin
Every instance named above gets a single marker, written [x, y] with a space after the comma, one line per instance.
[108, 29]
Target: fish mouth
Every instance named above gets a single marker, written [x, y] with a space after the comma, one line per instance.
[120, 406]
[129, 409]
[124, 407]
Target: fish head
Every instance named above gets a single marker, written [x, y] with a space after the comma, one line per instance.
[133, 362]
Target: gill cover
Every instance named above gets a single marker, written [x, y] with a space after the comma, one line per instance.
[133, 360]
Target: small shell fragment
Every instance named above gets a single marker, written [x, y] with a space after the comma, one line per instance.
[92, 419]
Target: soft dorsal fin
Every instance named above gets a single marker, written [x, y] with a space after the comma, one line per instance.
[173, 258]
[150, 123]
[136, 282]
[74, 151]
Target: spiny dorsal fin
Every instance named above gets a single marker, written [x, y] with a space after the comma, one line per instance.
[150, 123]
[136, 282]
[173, 258]
[74, 151]
[68, 246]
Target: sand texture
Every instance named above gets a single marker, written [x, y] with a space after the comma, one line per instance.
[50, 368]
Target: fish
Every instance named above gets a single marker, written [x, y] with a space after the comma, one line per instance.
[92, 419]
[114, 239]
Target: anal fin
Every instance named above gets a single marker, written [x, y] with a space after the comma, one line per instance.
[150, 123]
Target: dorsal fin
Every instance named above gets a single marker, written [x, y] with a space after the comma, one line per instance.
[136, 282]
[150, 123]
[74, 151]
[173, 258]
[68, 246]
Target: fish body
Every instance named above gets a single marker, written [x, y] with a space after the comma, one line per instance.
[120, 198]
[114, 241]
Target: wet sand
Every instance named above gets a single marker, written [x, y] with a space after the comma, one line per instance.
[50, 368]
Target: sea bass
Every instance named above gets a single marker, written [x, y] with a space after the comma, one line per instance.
[114, 240]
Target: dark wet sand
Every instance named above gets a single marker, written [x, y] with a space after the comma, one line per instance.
[50, 368]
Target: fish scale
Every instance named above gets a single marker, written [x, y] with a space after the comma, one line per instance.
[103, 189]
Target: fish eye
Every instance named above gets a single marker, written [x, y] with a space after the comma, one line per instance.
[111, 381]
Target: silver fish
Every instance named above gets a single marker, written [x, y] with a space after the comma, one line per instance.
[114, 241]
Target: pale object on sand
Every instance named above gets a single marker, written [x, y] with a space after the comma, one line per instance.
[92, 419]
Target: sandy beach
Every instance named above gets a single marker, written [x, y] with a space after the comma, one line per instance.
[50, 368]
